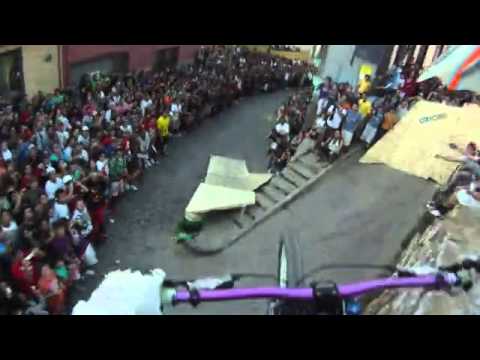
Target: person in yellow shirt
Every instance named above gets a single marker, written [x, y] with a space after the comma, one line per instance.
[365, 110]
[364, 85]
[364, 106]
[163, 126]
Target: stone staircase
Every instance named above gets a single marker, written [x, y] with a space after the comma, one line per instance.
[223, 229]
[292, 179]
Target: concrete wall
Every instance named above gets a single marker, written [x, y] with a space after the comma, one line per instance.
[337, 64]
[38, 73]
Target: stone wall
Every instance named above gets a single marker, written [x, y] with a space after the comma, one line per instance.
[40, 67]
[444, 242]
[39, 73]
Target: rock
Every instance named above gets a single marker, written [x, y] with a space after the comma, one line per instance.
[441, 303]
[441, 244]
[449, 254]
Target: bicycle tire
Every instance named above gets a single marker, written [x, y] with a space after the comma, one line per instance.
[294, 260]
[289, 249]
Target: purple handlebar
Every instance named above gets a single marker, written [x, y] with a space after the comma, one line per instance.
[347, 290]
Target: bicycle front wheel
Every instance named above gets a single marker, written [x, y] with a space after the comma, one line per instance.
[290, 262]
[289, 272]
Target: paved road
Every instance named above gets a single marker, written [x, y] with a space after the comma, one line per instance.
[141, 235]
[356, 213]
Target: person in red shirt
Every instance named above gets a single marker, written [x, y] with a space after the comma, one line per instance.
[25, 117]
[167, 101]
[24, 273]
[26, 133]
[107, 142]
[410, 87]
[27, 177]
[150, 121]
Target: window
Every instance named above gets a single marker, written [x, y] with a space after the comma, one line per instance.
[114, 63]
[11, 73]
[166, 58]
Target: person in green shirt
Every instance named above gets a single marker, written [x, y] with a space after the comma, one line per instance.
[118, 171]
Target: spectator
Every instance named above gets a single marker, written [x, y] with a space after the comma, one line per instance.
[60, 207]
[9, 231]
[53, 183]
[467, 175]
[280, 162]
[389, 121]
[282, 129]
[335, 116]
[66, 154]
[331, 147]
[163, 126]
[364, 106]
[352, 120]
[364, 85]
[370, 132]
[6, 153]
[402, 109]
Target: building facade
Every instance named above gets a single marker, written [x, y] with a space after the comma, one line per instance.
[27, 69]
[81, 59]
[346, 63]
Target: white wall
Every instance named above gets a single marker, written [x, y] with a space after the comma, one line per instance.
[337, 63]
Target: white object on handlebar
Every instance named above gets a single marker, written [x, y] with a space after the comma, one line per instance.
[125, 293]
[419, 270]
[209, 283]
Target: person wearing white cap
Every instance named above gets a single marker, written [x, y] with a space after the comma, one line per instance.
[84, 136]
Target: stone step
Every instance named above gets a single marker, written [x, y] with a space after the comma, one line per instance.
[303, 170]
[264, 201]
[273, 193]
[299, 171]
[311, 161]
[242, 220]
[282, 184]
[293, 178]
[255, 212]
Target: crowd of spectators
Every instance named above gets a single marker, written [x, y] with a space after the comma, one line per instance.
[463, 188]
[291, 48]
[66, 159]
[347, 114]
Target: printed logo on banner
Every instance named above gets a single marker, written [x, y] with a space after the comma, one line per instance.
[427, 119]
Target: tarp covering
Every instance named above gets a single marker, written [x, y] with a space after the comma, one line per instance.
[426, 130]
[211, 197]
[459, 62]
[234, 174]
[228, 185]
